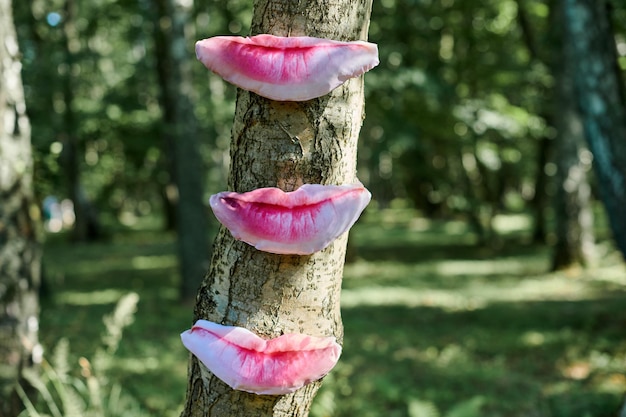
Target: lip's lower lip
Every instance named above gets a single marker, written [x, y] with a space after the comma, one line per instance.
[246, 362]
[286, 68]
[300, 222]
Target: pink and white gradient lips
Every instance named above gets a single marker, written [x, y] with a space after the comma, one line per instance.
[299, 222]
[246, 362]
[286, 68]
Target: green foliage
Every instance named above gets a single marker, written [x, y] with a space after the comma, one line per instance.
[88, 391]
[455, 110]
[112, 111]
[456, 81]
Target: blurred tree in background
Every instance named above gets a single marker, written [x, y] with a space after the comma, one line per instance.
[600, 92]
[463, 114]
[179, 132]
[453, 119]
[573, 217]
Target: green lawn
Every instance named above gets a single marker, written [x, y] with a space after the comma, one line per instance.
[434, 325]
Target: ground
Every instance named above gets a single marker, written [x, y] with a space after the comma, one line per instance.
[434, 324]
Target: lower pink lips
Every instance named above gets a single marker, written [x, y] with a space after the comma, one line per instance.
[246, 362]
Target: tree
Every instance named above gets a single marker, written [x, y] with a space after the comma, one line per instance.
[85, 224]
[181, 142]
[602, 102]
[275, 294]
[19, 251]
[572, 204]
[544, 147]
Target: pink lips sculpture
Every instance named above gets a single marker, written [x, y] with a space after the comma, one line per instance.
[246, 362]
[299, 222]
[286, 68]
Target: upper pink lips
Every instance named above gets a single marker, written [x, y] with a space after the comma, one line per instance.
[286, 68]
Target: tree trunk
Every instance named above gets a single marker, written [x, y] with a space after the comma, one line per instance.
[544, 147]
[71, 145]
[572, 205]
[601, 99]
[162, 42]
[19, 251]
[276, 294]
[539, 200]
[180, 132]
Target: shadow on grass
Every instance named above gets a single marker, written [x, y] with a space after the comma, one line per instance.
[550, 358]
[434, 325]
[85, 282]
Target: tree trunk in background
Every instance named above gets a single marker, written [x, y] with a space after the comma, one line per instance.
[572, 205]
[275, 294]
[544, 147]
[601, 100]
[481, 209]
[71, 145]
[181, 141]
[19, 251]
[539, 200]
[162, 42]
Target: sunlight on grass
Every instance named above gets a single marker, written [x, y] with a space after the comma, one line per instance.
[472, 290]
[468, 296]
[533, 338]
[85, 298]
[154, 262]
[489, 267]
[614, 274]
[402, 296]
[510, 223]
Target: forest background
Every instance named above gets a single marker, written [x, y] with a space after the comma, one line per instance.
[460, 148]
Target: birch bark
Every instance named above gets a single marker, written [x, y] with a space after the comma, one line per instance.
[275, 294]
[19, 251]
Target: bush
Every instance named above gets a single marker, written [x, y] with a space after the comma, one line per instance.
[86, 391]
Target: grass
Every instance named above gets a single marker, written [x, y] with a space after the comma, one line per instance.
[435, 326]
[86, 281]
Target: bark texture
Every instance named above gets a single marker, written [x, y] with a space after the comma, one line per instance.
[19, 252]
[276, 294]
[602, 103]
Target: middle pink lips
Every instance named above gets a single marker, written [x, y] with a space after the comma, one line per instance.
[299, 222]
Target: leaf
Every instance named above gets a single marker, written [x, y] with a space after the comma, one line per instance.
[470, 408]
